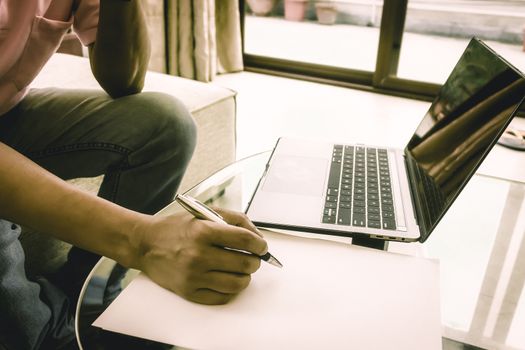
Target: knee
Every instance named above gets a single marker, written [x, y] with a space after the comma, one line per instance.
[175, 129]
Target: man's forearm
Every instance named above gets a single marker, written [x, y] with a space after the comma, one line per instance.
[120, 54]
[31, 196]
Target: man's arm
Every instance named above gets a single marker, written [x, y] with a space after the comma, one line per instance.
[120, 54]
[178, 252]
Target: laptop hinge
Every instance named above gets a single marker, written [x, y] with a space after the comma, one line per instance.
[413, 179]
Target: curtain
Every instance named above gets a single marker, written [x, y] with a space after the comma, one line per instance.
[203, 38]
[154, 12]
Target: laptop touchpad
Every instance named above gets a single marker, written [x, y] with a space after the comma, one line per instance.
[297, 175]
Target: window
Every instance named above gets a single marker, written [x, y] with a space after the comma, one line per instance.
[338, 34]
[404, 47]
[437, 32]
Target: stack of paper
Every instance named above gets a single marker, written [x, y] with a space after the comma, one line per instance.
[329, 295]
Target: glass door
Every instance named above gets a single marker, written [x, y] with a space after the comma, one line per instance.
[343, 33]
[437, 32]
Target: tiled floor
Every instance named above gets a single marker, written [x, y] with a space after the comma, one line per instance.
[269, 107]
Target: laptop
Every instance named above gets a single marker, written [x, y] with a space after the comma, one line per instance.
[358, 190]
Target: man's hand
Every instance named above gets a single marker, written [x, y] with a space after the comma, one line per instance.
[181, 253]
[188, 256]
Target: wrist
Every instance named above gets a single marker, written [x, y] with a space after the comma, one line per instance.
[135, 242]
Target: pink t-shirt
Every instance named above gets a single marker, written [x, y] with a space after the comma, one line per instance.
[30, 32]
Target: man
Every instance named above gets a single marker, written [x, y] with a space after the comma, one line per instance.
[141, 142]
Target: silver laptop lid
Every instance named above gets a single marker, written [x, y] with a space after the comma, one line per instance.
[471, 111]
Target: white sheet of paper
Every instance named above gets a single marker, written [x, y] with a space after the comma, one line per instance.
[329, 295]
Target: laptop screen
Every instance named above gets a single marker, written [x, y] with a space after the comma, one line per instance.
[471, 111]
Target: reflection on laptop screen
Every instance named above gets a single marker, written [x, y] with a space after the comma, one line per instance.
[467, 117]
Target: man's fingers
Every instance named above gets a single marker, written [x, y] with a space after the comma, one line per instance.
[225, 260]
[233, 237]
[224, 282]
[238, 219]
[209, 297]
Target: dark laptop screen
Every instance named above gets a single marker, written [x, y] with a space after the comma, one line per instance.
[472, 109]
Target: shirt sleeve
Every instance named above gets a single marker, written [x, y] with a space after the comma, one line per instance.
[85, 21]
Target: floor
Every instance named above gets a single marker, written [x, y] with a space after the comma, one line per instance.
[270, 107]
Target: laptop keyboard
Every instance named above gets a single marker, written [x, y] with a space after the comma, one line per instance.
[359, 188]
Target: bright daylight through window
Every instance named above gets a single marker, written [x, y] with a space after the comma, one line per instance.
[345, 33]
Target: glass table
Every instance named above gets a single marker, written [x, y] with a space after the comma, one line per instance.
[480, 244]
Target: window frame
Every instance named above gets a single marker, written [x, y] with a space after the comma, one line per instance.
[382, 80]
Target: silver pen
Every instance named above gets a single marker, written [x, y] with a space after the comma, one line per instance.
[203, 212]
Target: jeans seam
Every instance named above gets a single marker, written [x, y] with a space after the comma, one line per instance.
[123, 164]
[81, 146]
[104, 146]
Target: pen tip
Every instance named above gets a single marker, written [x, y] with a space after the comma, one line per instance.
[270, 259]
[275, 262]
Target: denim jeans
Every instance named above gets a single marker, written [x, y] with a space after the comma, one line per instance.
[141, 143]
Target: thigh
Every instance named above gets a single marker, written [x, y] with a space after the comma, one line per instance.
[80, 133]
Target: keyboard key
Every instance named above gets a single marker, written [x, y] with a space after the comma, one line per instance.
[335, 175]
[328, 219]
[344, 217]
[374, 217]
[374, 224]
[359, 210]
[331, 198]
[358, 220]
[332, 191]
[330, 205]
[373, 210]
[388, 214]
[387, 208]
[389, 224]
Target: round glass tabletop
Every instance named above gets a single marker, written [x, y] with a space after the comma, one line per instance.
[229, 188]
[480, 244]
